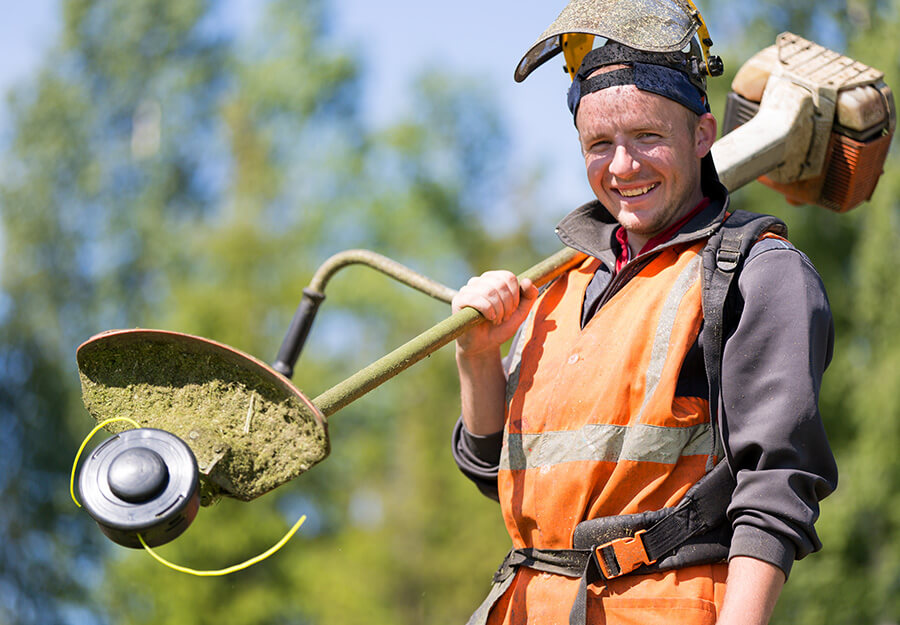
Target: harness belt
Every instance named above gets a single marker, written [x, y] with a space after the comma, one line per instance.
[692, 532]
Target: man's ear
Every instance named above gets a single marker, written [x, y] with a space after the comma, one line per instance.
[705, 134]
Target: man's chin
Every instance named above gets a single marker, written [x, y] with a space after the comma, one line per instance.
[634, 224]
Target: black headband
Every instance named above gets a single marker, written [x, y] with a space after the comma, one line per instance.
[673, 75]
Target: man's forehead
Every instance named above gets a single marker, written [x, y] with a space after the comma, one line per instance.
[626, 104]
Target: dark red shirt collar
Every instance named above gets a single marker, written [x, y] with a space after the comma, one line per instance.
[622, 235]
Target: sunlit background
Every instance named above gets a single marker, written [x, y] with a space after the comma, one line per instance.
[187, 165]
[395, 42]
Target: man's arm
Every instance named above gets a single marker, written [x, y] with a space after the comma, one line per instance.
[752, 590]
[773, 433]
[482, 384]
[505, 303]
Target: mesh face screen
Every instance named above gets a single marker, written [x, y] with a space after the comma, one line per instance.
[652, 25]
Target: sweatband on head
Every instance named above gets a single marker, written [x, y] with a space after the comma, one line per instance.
[671, 75]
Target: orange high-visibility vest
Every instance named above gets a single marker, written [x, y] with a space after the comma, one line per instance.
[594, 428]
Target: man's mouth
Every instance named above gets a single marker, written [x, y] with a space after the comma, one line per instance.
[636, 191]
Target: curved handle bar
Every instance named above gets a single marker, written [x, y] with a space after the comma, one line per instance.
[431, 340]
[314, 294]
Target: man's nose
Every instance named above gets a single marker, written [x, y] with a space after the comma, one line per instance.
[623, 164]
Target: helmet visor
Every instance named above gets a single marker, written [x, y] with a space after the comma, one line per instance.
[651, 25]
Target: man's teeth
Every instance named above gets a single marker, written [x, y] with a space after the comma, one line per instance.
[637, 191]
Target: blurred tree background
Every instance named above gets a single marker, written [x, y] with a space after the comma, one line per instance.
[856, 577]
[161, 174]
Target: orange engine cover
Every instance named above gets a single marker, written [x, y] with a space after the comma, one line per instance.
[852, 169]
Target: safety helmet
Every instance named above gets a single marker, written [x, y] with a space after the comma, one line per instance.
[646, 25]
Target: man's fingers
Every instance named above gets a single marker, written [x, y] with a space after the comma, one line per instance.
[495, 294]
[499, 297]
[528, 290]
[505, 295]
[489, 303]
[487, 307]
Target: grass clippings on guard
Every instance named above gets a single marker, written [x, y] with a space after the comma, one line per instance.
[249, 430]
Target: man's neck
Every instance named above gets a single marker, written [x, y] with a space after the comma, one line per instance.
[640, 243]
[636, 242]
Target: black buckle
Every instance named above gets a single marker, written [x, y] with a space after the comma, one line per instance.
[727, 260]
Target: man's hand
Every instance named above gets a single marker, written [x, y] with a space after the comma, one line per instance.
[504, 302]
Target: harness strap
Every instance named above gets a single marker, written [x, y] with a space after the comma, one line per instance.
[723, 258]
[693, 532]
[568, 562]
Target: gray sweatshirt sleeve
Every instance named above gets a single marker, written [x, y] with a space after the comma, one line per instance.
[478, 457]
[772, 369]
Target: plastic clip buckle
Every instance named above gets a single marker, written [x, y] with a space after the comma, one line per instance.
[727, 260]
[623, 555]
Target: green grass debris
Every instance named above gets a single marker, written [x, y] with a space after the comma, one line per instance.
[248, 433]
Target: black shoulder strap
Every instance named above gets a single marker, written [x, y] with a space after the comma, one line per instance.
[723, 259]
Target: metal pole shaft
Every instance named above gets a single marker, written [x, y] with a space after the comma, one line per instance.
[430, 341]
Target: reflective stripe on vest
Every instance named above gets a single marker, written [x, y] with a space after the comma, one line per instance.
[594, 427]
[606, 443]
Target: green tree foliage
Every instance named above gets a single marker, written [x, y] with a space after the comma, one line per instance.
[78, 257]
[856, 577]
[162, 175]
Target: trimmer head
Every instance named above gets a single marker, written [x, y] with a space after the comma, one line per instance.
[250, 429]
[141, 484]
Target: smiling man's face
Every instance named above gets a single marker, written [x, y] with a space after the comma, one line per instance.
[642, 153]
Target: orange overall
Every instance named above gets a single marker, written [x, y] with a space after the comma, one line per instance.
[595, 428]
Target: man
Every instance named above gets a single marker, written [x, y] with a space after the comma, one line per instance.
[601, 408]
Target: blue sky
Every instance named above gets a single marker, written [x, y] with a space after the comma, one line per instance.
[25, 32]
[485, 39]
[399, 38]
